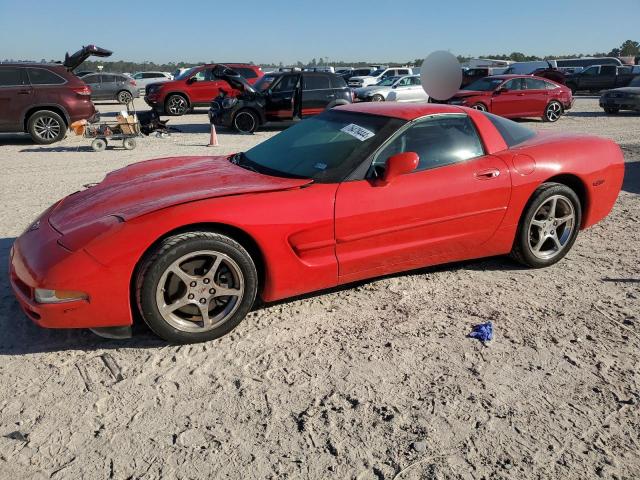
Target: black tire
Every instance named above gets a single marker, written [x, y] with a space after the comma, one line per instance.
[155, 264]
[611, 110]
[176, 105]
[46, 127]
[245, 121]
[479, 106]
[377, 98]
[124, 97]
[553, 112]
[522, 250]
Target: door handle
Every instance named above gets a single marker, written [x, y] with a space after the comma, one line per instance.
[487, 174]
[24, 92]
[287, 98]
[330, 96]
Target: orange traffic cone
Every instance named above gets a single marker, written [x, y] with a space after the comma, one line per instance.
[213, 141]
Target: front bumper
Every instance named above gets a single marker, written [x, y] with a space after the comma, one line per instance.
[37, 260]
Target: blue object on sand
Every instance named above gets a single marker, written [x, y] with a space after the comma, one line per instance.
[483, 332]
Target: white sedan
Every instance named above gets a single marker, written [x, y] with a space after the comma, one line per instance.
[411, 91]
[145, 78]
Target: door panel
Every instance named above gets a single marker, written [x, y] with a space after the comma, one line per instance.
[316, 94]
[280, 101]
[445, 212]
[510, 103]
[15, 97]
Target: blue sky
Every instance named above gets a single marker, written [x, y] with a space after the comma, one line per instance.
[286, 31]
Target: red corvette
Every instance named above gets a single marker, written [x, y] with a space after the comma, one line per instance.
[188, 243]
[516, 96]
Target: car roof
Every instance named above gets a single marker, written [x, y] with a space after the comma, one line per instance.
[399, 110]
[33, 64]
[508, 76]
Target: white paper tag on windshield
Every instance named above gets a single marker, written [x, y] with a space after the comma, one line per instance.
[357, 131]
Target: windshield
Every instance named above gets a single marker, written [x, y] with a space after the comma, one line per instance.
[486, 84]
[264, 83]
[387, 82]
[325, 148]
[186, 73]
[377, 72]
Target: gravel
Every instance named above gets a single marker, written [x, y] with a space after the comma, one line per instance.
[373, 381]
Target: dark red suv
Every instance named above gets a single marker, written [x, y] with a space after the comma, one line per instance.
[196, 87]
[42, 100]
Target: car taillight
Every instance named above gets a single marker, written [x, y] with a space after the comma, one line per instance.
[132, 83]
[86, 90]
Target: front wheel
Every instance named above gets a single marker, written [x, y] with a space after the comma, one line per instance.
[245, 121]
[548, 227]
[176, 105]
[124, 97]
[553, 112]
[196, 286]
[479, 106]
[377, 98]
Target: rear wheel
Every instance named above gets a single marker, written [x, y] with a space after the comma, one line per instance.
[553, 112]
[124, 97]
[176, 105]
[549, 226]
[245, 121]
[196, 287]
[479, 106]
[46, 127]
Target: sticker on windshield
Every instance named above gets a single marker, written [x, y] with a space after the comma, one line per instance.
[357, 131]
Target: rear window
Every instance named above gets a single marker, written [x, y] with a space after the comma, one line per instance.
[41, 76]
[10, 77]
[316, 82]
[512, 132]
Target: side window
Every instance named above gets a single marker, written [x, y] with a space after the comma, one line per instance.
[109, 78]
[403, 71]
[438, 142]
[338, 82]
[205, 75]
[91, 79]
[514, 84]
[138, 76]
[608, 70]
[286, 84]
[534, 84]
[41, 76]
[415, 81]
[404, 82]
[550, 86]
[246, 72]
[389, 73]
[10, 77]
[316, 82]
[591, 71]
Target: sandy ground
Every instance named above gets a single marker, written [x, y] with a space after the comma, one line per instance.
[376, 381]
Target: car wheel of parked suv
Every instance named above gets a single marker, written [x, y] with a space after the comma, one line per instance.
[553, 112]
[245, 121]
[124, 97]
[46, 127]
[176, 105]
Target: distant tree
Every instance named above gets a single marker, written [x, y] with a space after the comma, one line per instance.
[615, 52]
[629, 48]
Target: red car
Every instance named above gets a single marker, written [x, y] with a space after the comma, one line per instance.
[516, 96]
[197, 87]
[359, 191]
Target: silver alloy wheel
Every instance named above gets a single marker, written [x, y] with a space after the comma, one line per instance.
[47, 128]
[177, 105]
[125, 97]
[479, 106]
[554, 110]
[244, 122]
[200, 291]
[377, 98]
[551, 227]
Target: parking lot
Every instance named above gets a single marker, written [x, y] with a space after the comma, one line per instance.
[374, 381]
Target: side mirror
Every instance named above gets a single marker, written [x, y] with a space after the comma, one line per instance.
[399, 164]
[500, 90]
[192, 80]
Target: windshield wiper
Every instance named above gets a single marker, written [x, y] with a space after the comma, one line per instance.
[240, 159]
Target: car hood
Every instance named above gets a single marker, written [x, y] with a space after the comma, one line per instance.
[152, 185]
[470, 93]
[371, 89]
[624, 90]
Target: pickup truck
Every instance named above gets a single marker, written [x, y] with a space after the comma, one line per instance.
[600, 77]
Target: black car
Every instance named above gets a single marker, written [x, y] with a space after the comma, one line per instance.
[278, 98]
[625, 98]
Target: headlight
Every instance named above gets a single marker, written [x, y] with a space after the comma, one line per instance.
[43, 295]
[229, 102]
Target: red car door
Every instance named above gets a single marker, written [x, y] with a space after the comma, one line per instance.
[451, 204]
[509, 100]
[204, 86]
[536, 96]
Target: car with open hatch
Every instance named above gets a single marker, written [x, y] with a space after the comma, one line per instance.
[189, 243]
[516, 96]
[278, 99]
[196, 87]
